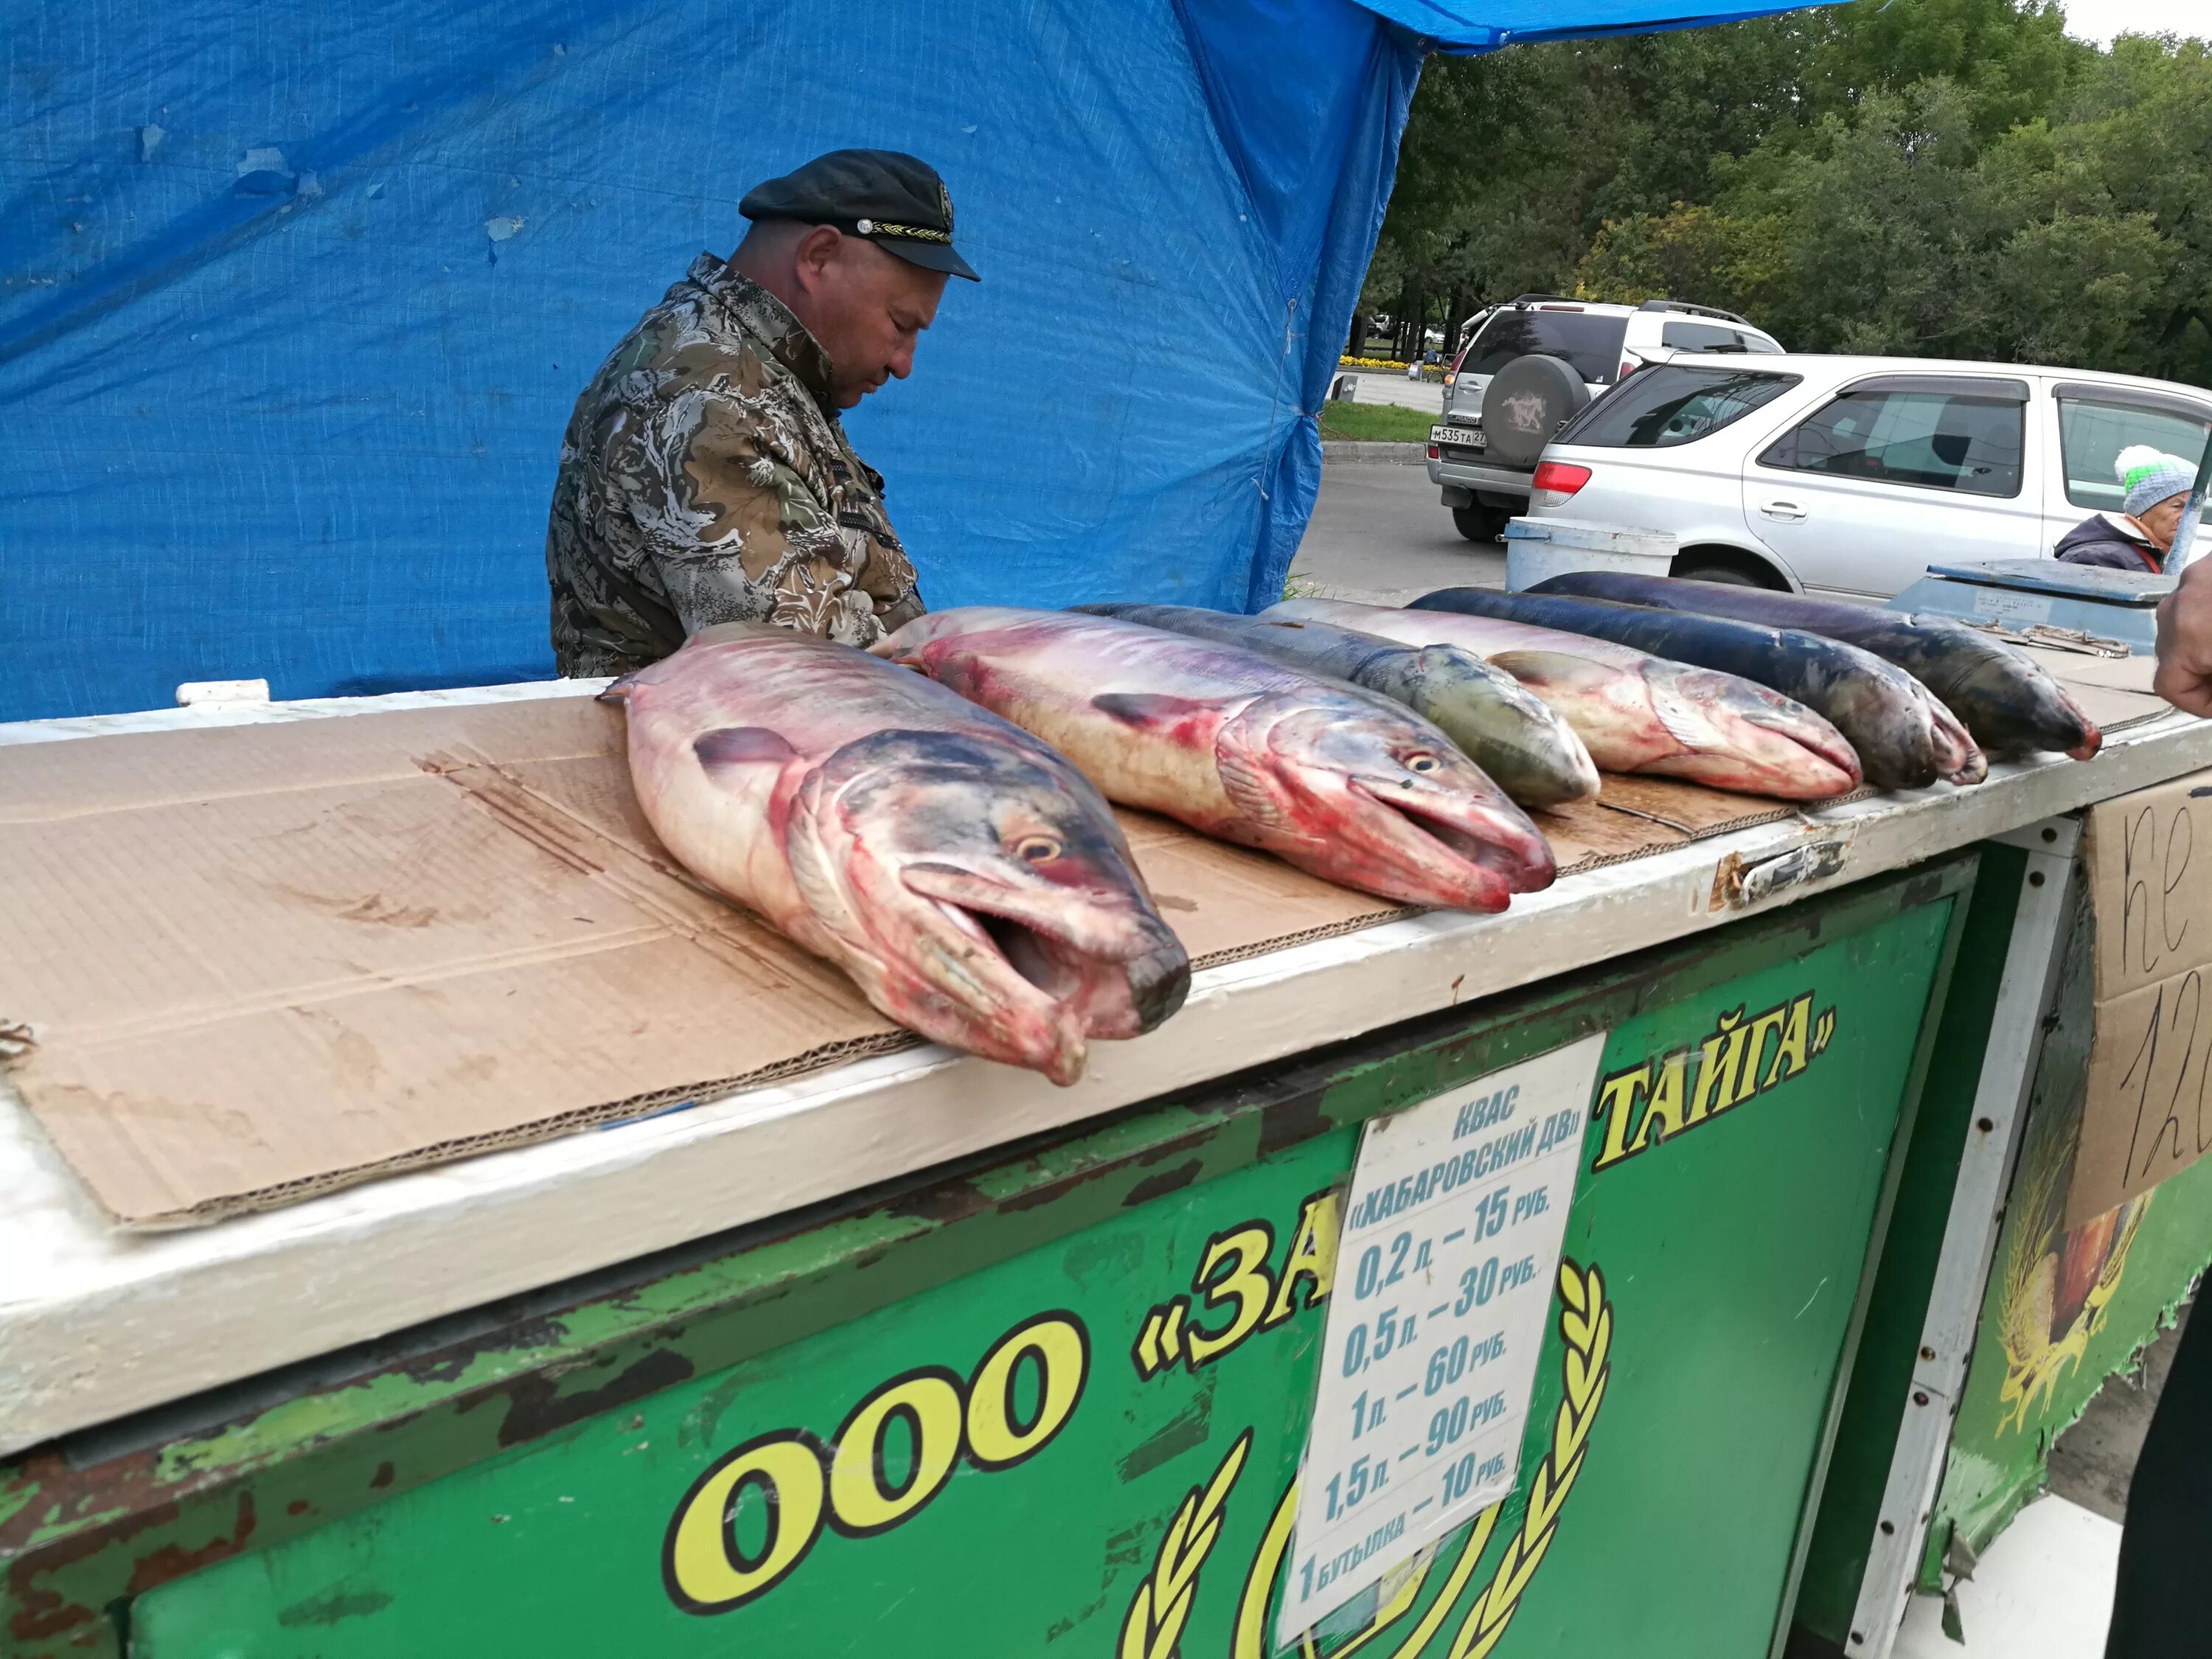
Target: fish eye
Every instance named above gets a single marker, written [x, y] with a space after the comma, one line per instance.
[1422, 763]
[1036, 849]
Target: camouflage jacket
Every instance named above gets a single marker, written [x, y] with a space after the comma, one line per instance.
[705, 479]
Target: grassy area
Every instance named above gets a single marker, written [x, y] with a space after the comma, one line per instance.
[1375, 422]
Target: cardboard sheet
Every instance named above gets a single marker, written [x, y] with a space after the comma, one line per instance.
[251, 964]
[2113, 691]
[2149, 1111]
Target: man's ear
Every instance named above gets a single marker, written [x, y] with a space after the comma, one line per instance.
[816, 252]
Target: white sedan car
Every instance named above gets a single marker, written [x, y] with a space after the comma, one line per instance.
[1849, 475]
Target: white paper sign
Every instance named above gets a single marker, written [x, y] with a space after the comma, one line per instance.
[2009, 604]
[1443, 1293]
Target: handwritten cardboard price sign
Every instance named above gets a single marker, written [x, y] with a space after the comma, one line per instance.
[2148, 1110]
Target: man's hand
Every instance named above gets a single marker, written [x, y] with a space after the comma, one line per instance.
[2185, 642]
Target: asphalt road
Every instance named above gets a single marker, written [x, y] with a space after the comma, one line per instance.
[1379, 534]
[1397, 389]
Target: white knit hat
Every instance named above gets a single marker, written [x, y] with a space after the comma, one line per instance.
[2150, 476]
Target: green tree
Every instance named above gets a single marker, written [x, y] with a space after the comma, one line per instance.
[1933, 177]
[2011, 59]
[1514, 162]
[1882, 226]
[2139, 143]
[1739, 263]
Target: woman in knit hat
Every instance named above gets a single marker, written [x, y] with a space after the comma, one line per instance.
[2157, 487]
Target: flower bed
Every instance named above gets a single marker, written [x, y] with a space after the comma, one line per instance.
[1431, 373]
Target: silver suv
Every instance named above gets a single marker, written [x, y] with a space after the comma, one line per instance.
[1531, 365]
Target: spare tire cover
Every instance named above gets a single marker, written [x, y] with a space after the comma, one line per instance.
[1526, 403]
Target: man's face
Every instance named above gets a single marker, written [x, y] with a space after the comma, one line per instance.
[865, 306]
[2160, 522]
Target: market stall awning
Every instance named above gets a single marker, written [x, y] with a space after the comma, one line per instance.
[298, 298]
[1485, 27]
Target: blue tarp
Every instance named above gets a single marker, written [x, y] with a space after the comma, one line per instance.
[295, 298]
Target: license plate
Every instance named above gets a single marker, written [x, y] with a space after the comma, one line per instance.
[1460, 437]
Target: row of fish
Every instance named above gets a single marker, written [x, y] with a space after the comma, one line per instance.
[1635, 711]
[2009, 705]
[944, 837]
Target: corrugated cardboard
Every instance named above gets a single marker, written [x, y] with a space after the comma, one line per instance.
[259, 962]
[2113, 691]
[2149, 1111]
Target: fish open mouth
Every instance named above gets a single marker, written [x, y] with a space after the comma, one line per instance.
[1113, 990]
[1038, 958]
[1153, 985]
[1489, 866]
[1045, 962]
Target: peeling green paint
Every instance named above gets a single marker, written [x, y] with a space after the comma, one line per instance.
[331, 1608]
[15, 1499]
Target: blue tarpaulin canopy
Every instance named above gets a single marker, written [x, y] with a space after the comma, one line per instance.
[295, 299]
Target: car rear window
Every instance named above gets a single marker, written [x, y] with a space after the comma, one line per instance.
[1671, 403]
[1714, 337]
[1592, 344]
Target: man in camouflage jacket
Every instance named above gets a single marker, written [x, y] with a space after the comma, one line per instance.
[705, 476]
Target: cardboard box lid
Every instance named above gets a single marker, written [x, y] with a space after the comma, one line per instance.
[258, 962]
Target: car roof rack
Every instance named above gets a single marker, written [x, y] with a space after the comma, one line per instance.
[1563, 299]
[1698, 311]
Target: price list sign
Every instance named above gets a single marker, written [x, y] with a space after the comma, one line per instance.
[1443, 1293]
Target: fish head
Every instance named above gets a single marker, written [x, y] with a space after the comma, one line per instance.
[986, 886]
[1458, 690]
[2015, 709]
[1758, 740]
[1403, 812]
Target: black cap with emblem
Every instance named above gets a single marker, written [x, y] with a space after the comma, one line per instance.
[894, 200]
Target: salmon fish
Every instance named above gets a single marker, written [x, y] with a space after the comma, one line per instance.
[1903, 738]
[968, 879]
[1349, 786]
[2008, 702]
[1638, 712]
[1499, 724]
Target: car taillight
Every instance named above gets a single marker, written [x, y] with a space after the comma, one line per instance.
[1560, 477]
[1627, 368]
[1450, 379]
[1432, 452]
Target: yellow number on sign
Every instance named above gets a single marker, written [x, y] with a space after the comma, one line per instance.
[996, 1439]
[1248, 1284]
[862, 1500]
[703, 1567]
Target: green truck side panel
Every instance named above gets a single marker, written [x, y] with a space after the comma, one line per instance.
[1674, 1432]
[1881, 1375]
[2063, 1309]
